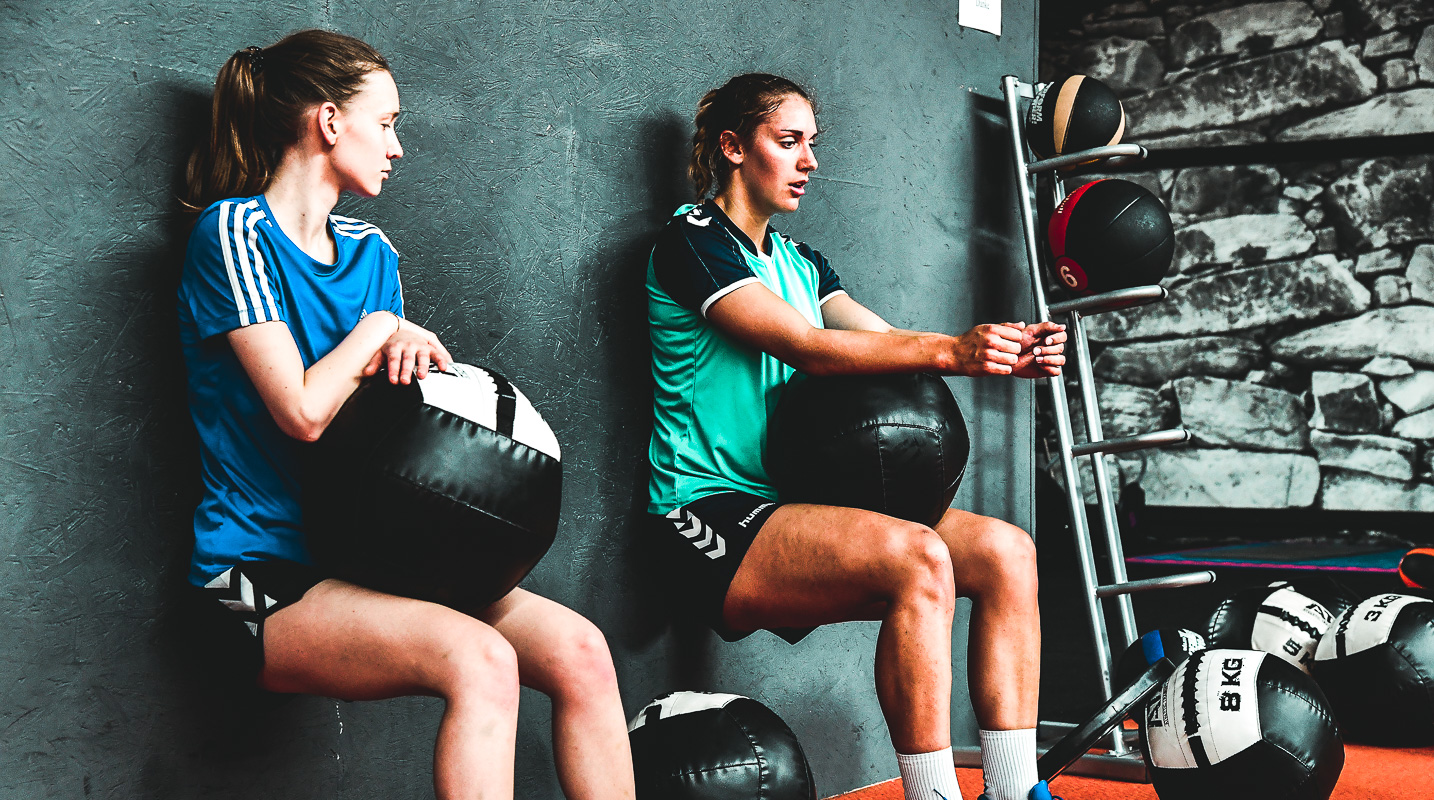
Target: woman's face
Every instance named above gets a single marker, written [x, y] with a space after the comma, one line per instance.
[776, 163]
[366, 143]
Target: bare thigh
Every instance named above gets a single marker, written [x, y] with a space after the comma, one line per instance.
[814, 565]
[346, 641]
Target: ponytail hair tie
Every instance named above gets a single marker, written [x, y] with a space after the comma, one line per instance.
[256, 58]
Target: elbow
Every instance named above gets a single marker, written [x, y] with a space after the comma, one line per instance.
[298, 426]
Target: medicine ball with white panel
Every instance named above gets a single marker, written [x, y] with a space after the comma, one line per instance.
[445, 489]
[1376, 664]
[1241, 725]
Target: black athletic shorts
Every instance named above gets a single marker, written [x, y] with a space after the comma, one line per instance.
[229, 613]
[701, 545]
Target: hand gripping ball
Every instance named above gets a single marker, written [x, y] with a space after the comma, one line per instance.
[894, 444]
[446, 489]
[1074, 113]
[1110, 234]
[1376, 664]
[702, 746]
[1240, 725]
[1275, 619]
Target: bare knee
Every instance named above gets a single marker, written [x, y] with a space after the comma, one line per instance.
[920, 564]
[1006, 560]
[580, 664]
[477, 664]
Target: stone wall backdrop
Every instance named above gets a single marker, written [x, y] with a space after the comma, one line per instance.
[1297, 345]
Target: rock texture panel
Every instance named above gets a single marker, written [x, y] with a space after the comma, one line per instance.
[1358, 491]
[1398, 332]
[1386, 115]
[1256, 89]
[1384, 456]
[1236, 414]
[1421, 273]
[1154, 363]
[1386, 201]
[1229, 479]
[1345, 402]
[1411, 393]
[1241, 240]
[1242, 299]
[1225, 191]
[1245, 30]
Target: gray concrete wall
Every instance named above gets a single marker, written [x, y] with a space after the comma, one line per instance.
[544, 148]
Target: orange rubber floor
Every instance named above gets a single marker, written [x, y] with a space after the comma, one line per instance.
[1370, 773]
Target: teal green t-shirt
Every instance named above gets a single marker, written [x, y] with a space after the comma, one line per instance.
[713, 395]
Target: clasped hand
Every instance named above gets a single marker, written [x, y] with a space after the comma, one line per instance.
[1012, 348]
[411, 349]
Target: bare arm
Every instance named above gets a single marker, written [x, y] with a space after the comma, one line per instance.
[304, 402]
[758, 318]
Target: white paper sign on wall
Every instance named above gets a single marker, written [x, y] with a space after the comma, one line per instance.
[983, 15]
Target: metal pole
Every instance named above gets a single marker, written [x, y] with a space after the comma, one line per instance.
[1074, 499]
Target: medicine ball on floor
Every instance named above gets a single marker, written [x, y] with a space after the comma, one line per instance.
[703, 746]
[895, 444]
[1176, 645]
[1240, 725]
[1110, 234]
[1275, 619]
[446, 489]
[1376, 664]
[1416, 569]
[1073, 113]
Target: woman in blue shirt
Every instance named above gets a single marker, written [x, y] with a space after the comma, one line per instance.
[284, 307]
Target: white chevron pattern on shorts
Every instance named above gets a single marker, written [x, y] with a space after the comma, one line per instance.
[691, 527]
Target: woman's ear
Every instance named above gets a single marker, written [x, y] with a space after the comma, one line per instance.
[327, 118]
[731, 147]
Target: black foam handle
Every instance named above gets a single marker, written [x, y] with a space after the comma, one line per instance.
[1079, 741]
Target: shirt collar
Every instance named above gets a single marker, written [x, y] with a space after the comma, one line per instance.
[715, 211]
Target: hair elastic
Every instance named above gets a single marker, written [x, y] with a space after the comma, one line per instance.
[256, 58]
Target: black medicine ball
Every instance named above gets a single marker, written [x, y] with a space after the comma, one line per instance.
[1074, 113]
[1176, 645]
[1110, 234]
[895, 444]
[1240, 725]
[701, 746]
[1376, 664]
[1276, 619]
[446, 489]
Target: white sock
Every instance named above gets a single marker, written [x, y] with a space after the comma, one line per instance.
[1008, 761]
[929, 776]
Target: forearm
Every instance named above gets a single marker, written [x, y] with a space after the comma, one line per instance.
[330, 381]
[843, 352]
[303, 402]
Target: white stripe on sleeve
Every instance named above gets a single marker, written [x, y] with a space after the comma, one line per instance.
[246, 269]
[726, 290]
[259, 265]
[226, 246]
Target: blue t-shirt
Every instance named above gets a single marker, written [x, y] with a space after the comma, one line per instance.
[241, 269]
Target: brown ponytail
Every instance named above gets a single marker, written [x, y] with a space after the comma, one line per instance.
[739, 106]
[260, 98]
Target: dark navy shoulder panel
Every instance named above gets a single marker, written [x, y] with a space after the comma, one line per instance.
[828, 283]
[696, 259]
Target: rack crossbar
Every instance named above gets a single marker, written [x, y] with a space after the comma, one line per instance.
[1110, 301]
[1153, 584]
[1126, 444]
[1112, 154]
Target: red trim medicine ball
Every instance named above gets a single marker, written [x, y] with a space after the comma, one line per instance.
[1110, 234]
